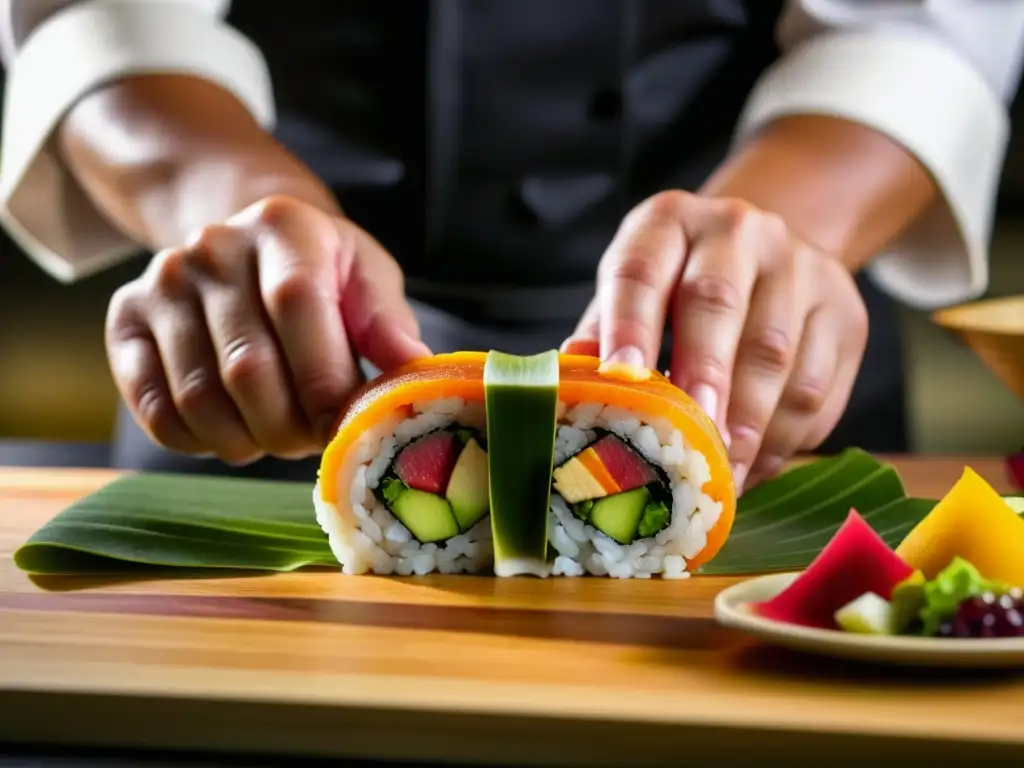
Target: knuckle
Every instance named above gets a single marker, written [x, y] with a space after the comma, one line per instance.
[202, 260]
[639, 265]
[732, 213]
[745, 221]
[670, 204]
[196, 392]
[245, 364]
[806, 395]
[274, 211]
[156, 413]
[711, 293]
[168, 271]
[215, 237]
[121, 320]
[290, 293]
[771, 348]
[770, 226]
[711, 370]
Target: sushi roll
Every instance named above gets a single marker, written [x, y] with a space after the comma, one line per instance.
[550, 465]
[641, 485]
[403, 486]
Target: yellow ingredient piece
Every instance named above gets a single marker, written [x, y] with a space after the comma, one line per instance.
[574, 483]
[973, 522]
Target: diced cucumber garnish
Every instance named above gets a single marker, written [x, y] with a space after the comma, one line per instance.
[619, 516]
[429, 518]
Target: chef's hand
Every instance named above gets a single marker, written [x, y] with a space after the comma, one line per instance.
[243, 342]
[768, 333]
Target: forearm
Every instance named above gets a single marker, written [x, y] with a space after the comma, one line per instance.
[844, 188]
[163, 155]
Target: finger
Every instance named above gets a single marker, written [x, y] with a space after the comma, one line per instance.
[297, 281]
[853, 336]
[635, 278]
[246, 357]
[803, 398]
[190, 364]
[585, 339]
[139, 376]
[765, 357]
[382, 325]
[709, 310]
[764, 469]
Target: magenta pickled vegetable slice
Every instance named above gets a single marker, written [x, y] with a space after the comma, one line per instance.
[855, 561]
[426, 464]
[626, 467]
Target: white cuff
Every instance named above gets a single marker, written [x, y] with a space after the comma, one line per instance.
[927, 97]
[71, 54]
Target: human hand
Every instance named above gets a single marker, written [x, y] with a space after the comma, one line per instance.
[768, 332]
[243, 342]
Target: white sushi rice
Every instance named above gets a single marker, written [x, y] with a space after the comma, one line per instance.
[582, 549]
[369, 539]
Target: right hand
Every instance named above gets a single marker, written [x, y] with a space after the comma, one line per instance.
[243, 343]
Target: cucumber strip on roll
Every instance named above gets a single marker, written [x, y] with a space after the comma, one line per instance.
[522, 399]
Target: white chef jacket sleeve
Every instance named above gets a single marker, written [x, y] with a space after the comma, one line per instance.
[935, 76]
[57, 51]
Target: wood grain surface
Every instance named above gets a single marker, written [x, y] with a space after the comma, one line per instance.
[521, 671]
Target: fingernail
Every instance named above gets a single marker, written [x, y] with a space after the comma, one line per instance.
[628, 355]
[417, 344]
[707, 399]
[739, 476]
[771, 465]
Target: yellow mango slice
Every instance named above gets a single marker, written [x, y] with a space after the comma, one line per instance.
[973, 522]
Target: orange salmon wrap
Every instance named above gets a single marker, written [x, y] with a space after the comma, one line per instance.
[381, 493]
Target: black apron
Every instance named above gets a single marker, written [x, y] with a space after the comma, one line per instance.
[494, 147]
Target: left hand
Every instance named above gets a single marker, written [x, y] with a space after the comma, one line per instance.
[768, 331]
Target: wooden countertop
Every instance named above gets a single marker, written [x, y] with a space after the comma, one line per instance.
[562, 671]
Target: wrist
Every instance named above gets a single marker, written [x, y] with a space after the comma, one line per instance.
[211, 189]
[843, 188]
[163, 155]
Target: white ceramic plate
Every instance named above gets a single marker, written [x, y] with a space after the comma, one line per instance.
[731, 611]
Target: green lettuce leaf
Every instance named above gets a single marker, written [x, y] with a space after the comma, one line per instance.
[942, 595]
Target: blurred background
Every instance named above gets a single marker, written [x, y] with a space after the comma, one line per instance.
[55, 386]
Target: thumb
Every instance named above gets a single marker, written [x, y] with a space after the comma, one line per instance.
[380, 322]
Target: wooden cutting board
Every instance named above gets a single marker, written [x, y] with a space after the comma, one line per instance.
[562, 671]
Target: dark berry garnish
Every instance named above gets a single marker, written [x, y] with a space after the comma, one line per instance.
[986, 616]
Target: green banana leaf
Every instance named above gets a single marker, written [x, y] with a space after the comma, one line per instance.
[160, 521]
[176, 521]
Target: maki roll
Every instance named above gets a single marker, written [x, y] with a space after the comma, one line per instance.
[549, 465]
[641, 484]
[403, 486]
